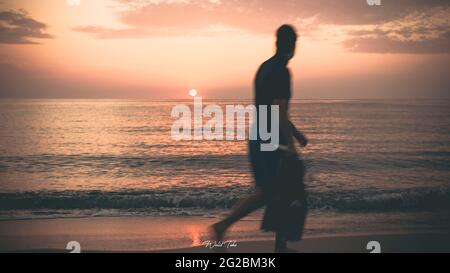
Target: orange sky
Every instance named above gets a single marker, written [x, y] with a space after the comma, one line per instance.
[160, 49]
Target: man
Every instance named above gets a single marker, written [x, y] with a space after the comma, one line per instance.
[272, 87]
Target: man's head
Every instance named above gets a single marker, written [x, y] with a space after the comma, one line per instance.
[286, 41]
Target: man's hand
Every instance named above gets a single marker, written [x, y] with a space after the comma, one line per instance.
[302, 140]
[286, 126]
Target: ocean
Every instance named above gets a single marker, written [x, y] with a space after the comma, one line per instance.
[96, 158]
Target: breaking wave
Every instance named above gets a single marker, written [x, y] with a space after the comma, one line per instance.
[225, 197]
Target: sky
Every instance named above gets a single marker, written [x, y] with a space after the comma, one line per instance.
[160, 49]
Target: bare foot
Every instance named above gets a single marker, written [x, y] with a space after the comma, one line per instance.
[218, 231]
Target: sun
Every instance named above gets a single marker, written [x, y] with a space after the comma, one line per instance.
[193, 92]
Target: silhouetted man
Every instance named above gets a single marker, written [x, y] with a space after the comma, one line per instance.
[272, 87]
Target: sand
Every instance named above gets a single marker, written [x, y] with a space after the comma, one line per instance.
[389, 243]
[189, 235]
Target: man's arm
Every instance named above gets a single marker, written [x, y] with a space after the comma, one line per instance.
[285, 124]
[301, 138]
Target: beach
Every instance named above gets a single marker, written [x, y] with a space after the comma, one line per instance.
[107, 174]
[170, 234]
[389, 243]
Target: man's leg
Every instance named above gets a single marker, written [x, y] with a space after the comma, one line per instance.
[242, 209]
[280, 244]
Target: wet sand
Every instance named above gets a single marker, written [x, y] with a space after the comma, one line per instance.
[167, 234]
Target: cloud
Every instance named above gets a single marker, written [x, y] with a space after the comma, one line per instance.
[420, 32]
[358, 12]
[118, 33]
[251, 13]
[155, 18]
[385, 44]
[16, 27]
[170, 18]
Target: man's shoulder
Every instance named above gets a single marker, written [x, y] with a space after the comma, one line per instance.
[266, 65]
[272, 67]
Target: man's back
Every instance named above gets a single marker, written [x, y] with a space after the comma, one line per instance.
[272, 81]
